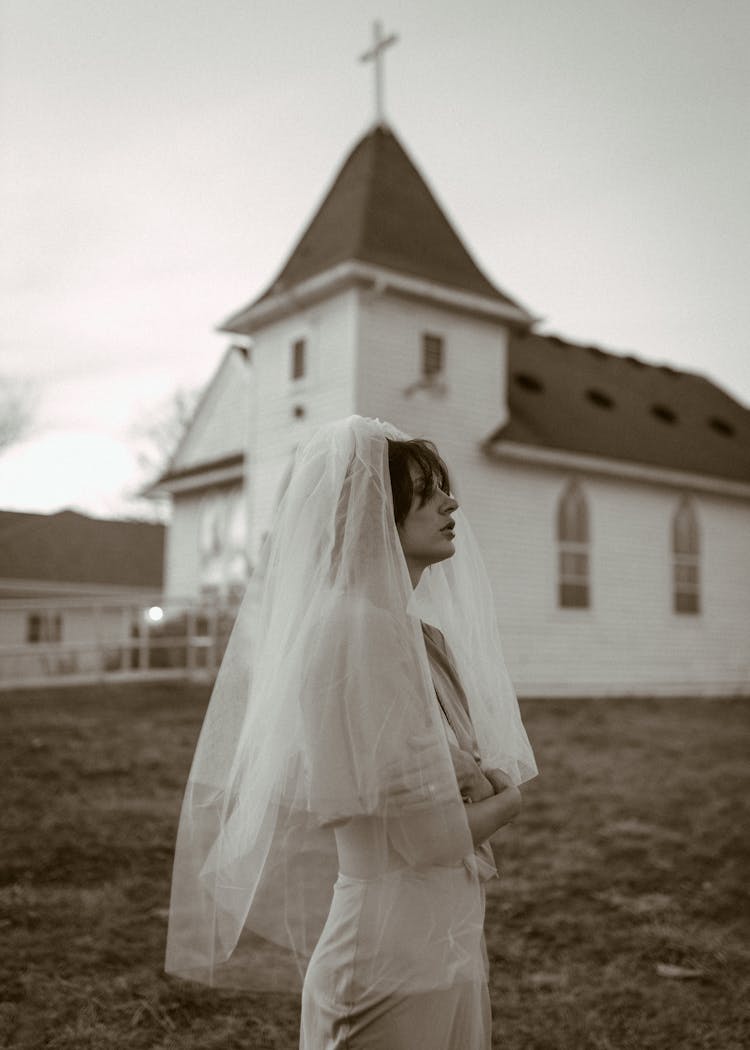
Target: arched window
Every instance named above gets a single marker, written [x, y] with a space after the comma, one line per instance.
[573, 549]
[686, 558]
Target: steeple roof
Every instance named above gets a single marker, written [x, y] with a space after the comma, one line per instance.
[380, 211]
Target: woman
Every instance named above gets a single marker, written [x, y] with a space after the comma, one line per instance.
[323, 821]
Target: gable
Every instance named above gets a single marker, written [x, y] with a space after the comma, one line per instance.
[217, 431]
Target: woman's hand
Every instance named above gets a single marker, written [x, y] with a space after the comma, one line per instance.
[491, 814]
[500, 781]
[472, 782]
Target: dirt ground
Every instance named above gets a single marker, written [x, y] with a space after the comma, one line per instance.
[620, 921]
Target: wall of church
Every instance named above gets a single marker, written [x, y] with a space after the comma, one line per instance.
[181, 552]
[205, 548]
[219, 427]
[464, 404]
[287, 409]
[363, 354]
[630, 640]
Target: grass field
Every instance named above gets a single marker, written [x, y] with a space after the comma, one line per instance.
[620, 921]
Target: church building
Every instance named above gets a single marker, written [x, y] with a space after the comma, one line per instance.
[610, 496]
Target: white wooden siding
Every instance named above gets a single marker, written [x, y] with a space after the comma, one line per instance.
[325, 393]
[468, 403]
[220, 425]
[364, 356]
[181, 550]
[630, 641]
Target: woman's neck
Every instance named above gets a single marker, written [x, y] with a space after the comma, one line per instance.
[415, 570]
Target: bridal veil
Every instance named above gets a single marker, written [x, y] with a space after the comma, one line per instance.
[324, 711]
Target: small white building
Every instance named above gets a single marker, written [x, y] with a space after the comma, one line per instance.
[73, 593]
[611, 497]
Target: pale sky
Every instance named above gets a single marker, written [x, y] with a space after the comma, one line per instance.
[160, 158]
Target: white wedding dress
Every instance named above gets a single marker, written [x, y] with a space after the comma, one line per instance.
[401, 963]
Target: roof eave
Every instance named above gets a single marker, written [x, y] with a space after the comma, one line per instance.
[70, 591]
[203, 475]
[262, 312]
[513, 451]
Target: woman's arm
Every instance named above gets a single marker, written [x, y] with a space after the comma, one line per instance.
[472, 782]
[491, 814]
[490, 797]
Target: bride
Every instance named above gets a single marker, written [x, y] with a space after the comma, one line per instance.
[362, 744]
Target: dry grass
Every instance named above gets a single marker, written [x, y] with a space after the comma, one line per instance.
[630, 856]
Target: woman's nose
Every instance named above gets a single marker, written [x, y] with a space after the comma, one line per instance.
[452, 504]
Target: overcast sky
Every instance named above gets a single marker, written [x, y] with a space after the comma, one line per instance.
[160, 158]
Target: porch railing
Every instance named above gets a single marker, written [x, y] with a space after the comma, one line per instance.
[49, 641]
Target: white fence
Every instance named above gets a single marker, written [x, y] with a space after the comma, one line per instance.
[47, 641]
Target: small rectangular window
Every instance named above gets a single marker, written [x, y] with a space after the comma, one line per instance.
[43, 627]
[432, 355]
[34, 628]
[298, 358]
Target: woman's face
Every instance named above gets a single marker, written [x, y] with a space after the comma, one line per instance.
[426, 533]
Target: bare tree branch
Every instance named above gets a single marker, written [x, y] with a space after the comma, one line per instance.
[159, 432]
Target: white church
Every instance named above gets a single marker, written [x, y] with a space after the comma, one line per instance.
[610, 496]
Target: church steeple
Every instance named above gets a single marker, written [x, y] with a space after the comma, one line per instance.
[380, 212]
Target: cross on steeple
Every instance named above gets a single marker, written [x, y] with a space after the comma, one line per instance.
[375, 55]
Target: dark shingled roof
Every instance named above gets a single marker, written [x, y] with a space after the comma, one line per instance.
[581, 399]
[72, 548]
[380, 211]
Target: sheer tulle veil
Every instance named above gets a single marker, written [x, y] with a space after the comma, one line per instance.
[323, 711]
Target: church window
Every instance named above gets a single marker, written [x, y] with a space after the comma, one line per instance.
[44, 627]
[213, 527]
[34, 628]
[299, 349]
[237, 567]
[573, 549]
[432, 355]
[685, 559]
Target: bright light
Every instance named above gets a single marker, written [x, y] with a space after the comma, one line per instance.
[155, 614]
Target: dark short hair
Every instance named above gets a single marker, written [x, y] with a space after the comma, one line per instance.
[425, 457]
